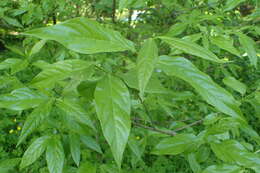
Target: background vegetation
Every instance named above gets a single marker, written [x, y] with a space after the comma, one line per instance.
[108, 86]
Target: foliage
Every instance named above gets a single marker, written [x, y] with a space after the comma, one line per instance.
[129, 86]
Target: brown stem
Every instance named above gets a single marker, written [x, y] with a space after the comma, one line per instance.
[114, 11]
[170, 133]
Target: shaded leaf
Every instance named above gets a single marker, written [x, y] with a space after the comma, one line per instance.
[59, 71]
[72, 107]
[91, 143]
[232, 4]
[176, 145]
[235, 84]
[225, 43]
[75, 147]
[248, 45]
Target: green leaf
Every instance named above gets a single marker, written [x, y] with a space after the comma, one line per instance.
[55, 155]
[124, 4]
[21, 99]
[59, 71]
[7, 165]
[146, 60]
[83, 35]
[218, 97]
[176, 29]
[248, 45]
[91, 143]
[15, 64]
[9, 63]
[235, 84]
[225, 44]
[113, 109]
[191, 48]
[233, 152]
[232, 4]
[37, 47]
[87, 167]
[195, 166]
[75, 147]
[72, 107]
[35, 119]
[222, 169]
[12, 21]
[176, 145]
[154, 85]
[34, 151]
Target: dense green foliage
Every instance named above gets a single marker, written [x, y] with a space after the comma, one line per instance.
[106, 86]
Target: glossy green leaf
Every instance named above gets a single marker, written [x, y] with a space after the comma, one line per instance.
[235, 84]
[218, 97]
[146, 61]
[225, 44]
[75, 147]
[91, 143]
[59, 71]
[232, 4]
[35, 119]
[113, 109]
[55, 155]
[191, 48]
[154, 85]
[248, 45]
[21, 99]
[233, 152]
[37, 47]
[222, 169]
[176, 145]
[9, 63]
[83, 35]
[14, 64]
[34, 151]
[72, 107]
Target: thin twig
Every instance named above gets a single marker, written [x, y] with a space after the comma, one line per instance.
[170, 133]
[188, 125]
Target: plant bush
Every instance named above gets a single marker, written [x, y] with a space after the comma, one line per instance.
[129, 86]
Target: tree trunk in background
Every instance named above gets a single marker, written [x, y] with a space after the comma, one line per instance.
[114, 11]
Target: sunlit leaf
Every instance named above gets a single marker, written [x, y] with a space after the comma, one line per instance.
[55, 155]
[215, 95]
[113, 109]
[21, 99]
[34, 151]
[146, 60]
[191, 48]
[84, 36]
